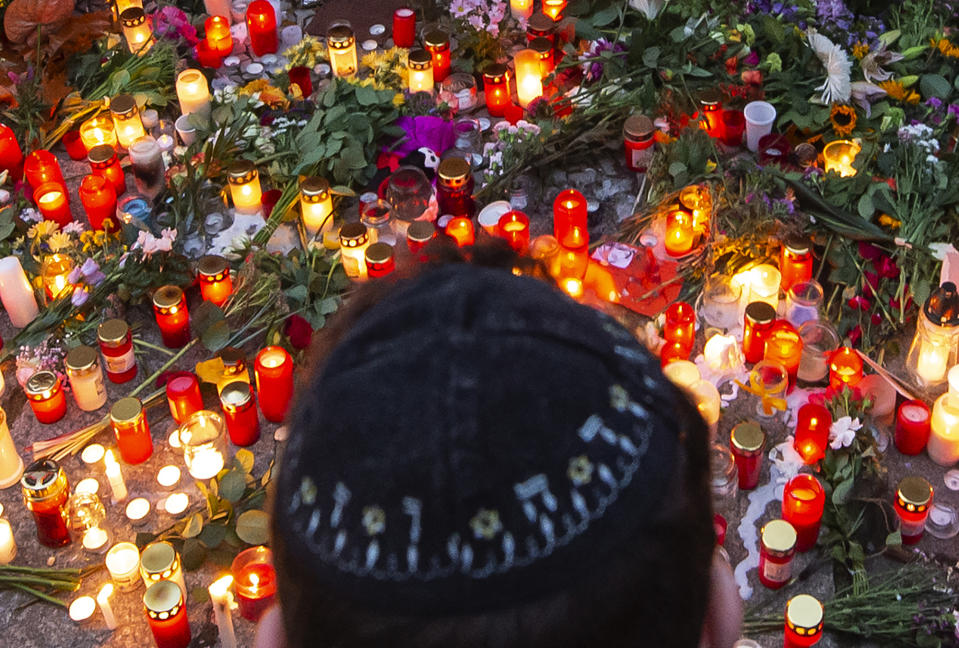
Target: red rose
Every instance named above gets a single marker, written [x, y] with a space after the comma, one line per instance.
[876, 319]
[299, 331]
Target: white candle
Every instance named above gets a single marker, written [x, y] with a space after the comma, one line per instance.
[723, 354]
[193, 92]
[8, 546]
[82, 609]
[943, 446]
[89, 485]
[16, 294]
[11, 465]
[177, 503]
[92, 455]
[115, 477]
[103, 600]
[95, 539]
[708, 402]
[682, 373]
[174, 439]
[529, 82]
[123, 563]
[764, 284]
[222, 602]
[137, 510]
[933, 362]
[168, 477]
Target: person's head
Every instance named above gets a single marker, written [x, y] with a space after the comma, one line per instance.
[477, 460]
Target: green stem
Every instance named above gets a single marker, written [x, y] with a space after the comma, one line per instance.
[38, 594]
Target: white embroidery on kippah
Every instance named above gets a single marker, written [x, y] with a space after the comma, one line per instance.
[372, 553]
[341, 495]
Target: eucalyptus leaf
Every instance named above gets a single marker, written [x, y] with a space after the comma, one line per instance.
[841, 494]
[934, 85]
[253, 527]
[604, 17]
[212, 535]
[233, 485]
[216, 337]
[193, 554]
[245, 459]
[193, 526]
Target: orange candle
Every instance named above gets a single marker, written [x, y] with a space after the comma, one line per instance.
[784, 345]
[513, 226]
[218, 37]
[461, 229]
[41, 167]
[569, 219]
[51, 199]
[45, 395]
[679, 234]
[169, 305]
[795, 261]
[803, 503]
[812, 432]
[132, 430]
[554, 8]
[99, 200]
[216, 285]
[845, 368]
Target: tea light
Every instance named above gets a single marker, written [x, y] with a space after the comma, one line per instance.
[123, 563]
[126, 119]
[16, 293]
[933, 360]
[437, 43]
[11, 155]
[316, 206]
[261, 27]
[137, 510]
[803, 504]
[461, 230]
[137, 30]
[216, 285]
[680, 234]
[8, 546]
[115, 477]
[341, 44]
[95, 539]
[764, 281]
[97, 131]
[420, 63]
[169, 306]
[41, 167]
[722, 353]
[193, 93]
[82, 609]
[273, 370]
[89, 485]
[912, 427]
[812, 432]
[106, 609]
[496, 87]
[521, 9]
[218, 36]
[245, 185]
[529, 83]
[222, 604]
[168, 476]
[845, 368]
[51, 199]
[255, 581]
[839, 156]
[554, 8]
[174, 439]
[804, 621]
[176, 503]
[513, 227]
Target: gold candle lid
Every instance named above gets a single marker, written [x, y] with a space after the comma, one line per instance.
[167, 297]
[314, 189]
[126, 410]
[453, 171]
[760, 313]
[233, 358]
[798, 245]
[235, 394]
[101, 154]
[241, 172]
[804, 614]
[124, 105]
[113, 332]
[379, 253]
[133, 17]
[353, 235]
[340, 37]
[43, 478]
[495, 73]
[436, 38]
[638, 127]
[159, 559]
[747, 436]
[212, 266]
[779, 536]
[420, 231]
[541, 45]
[163, 600]
[420, 59]
[914, 494]
[40, 383]
[81, 358]
[540, 23]
[710, 98]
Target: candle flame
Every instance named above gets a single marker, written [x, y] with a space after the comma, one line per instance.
[51, 197]
[254, 581]
[220, 586]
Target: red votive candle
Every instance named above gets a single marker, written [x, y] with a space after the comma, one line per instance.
[46, 493]
[165, 610]
[274, 382]
[734, 125]
[404, 27]
[845, 368]
[183, 395]
[116, 345]
[461, 230]
[913, 499]
[812, 432]
[261, 27]
[795, 262]
[104, 163]
[804, 622]
[418, 234]
[747, 442]
[239, 412]
[216, 285]
[513, 227]
[719, 528]
[45, 395]
[169, 305]
[569, 220]
[206, 56]
[784, 345]
[51, 200]
[757, 323]
[912, 427]
[496, 89]
[132, 430]
[680, 325]
[74, 145]
[437, 43]
[673, 351]
[99, 200]
[11, 155]
[777, 545]
[803, 503]
[41, 167]
[218, 36]
[300, 75]
[255, 581]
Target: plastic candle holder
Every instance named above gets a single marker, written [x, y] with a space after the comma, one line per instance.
[99, 198]
[216, 285]
[116, 345]
[11, 155]
[46, 493]
[55, 274]
[354, 240]
[245, 186]
[97, 131]
[159, 561]
[204, 444]
[680, 324]
[437, 43]
[132, 430]
[513, 227]
[255, 581]
[776, 549]
[274, 382]
[804, 622]
[300, 76]
[680, 234]
[240, 414]
[554, 9]
[783, 345]
[53, 203]
[218, 37]
[137, 30]
[638, 139]
[169, 306]
[165, 609]
[316, 205]
[461, 231]
[943, 445]
[341, 44]
[11, 465]
[803, 504]
[529, 82]
[119, 6]
[845, 368]
[747, 442]
[912, 427]
[936, 343]
[126, 119]
[183, 396]
[496, 88]
[711, 108]
[168, 477]
[193, 93]
[261, 27]
[803, 300]
[795, 261]
[379, 260]
[104, 163]
[45, 395]
[42, 167]
[839, 156]
[420, 63]
[734, 125]
[569, 219]
[404, 27]
[812, 432]
[454, 188]
[673, 351]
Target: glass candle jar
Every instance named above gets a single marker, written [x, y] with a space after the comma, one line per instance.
[316, 205]
[454, 188]
[245, 188]
[409, 192]
[541, 25]
[638, 138]
[723, 478]
[720, 307]
[216, 285]
[845, 368]
[159, 561]
[554, 9]
[819, 339]
[193, 93]
[116, 345]
[354, 240]
[261, 27]
[513, 227]
[420, 63]
[165, 609]
[377, 216]
[770, 379]
[149, 170]
[404, 27]
[680, 325]
[202, 436]
[913, 499]
[795, 261]
[137, 30]
[912, 427]
[529, 82]
[460, 229]
[55, 274]
[274, 382]
[46, 493]
[758, 322]
[764, 281]
[783, 345]
[45, 395]
[776, 548]
[803, 300]
[747, 442]
[804, 622]
[839, 156]
[169, 306]
[126, 119]
[255, 581]
[812, 432]
[680, 234]
[86, 378]
[239, 412]
[11, 465]
[711, 105]
[218, 36]
[936, 343]
[123, 563]
[418, 234]
[496, 88]
[570, 220]
[99, 198]
[104, 163]
[803, 504]
[379, 260]
[52, 201]
[342, 48]
[132, 430]
[183, 396]
[41, 167]
[11, 155]
[943, 445]
[98, 131]
[437, 43]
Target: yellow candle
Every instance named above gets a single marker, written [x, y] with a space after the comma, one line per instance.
[529, 83]
[245, 187]
[420, 65]
[342, 49]
[193, 92]
[316, 205]
[521, 9]
[8, 546]
[839, 156]
[98, 130]
[943, 443]
[137, 30]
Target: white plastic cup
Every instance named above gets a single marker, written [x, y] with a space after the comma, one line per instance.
[760, 116]
[185, 130]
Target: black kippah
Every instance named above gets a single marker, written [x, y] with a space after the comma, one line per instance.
[475, 442]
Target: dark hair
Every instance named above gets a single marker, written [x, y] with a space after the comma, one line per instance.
[649, 591]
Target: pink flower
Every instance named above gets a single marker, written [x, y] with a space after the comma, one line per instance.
[869, 251]
[752, 59]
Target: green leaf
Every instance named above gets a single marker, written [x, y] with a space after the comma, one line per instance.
[216, 337]
[328, 305]
[193, 526]
[193, 554]
[865, 206]
[365, 96]
[677, 168]
[212, 535]
[205, 315]
[934, 85]
[245, 459]
[841, 493]
[253, 527]
[894, 539]
[651, 56]
[233, 485]
[297, 293]
[605, 16]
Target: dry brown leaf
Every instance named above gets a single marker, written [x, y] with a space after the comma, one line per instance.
[22, 17]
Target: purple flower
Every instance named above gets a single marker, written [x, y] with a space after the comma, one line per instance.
[934, 102]
[171, 22]
[91, 271]
[752, 59]
[953, 109]
[80, 296]
[75, 275]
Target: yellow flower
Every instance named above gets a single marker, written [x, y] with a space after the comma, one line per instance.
[860, 49]
[843, 118]
[398, 99]
[946, 48]
[43, 228]
[274, 98]
[59, 241]
[257, 85]
[888, 221]
[897, 91]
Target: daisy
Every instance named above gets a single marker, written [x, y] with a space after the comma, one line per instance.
[836, 88]
[459, 8]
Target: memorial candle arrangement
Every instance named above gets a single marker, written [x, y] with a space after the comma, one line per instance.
[98, 131]
[42, 167]
[420, 63]
[46, 493]
[274, 382]
[45, 395]
[569, 220]
[839, 156]
[316, 206]
[803, 504]
[131, 429]
[216, 285]
[341, 44]
[137, 30]
[165, 609]
[11, 155]
[812, 432]
[404, 27]
[255, 581]
[239, 412]
[99, 198]
[169, 306]
[496, 89]
[262, 28]
[193, 93]
[218, 36]
[52, 201]
[104, 163]
[245, 188]
[529, 82]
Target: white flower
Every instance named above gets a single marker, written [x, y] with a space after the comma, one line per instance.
[836, 87]
[864, 93]
[786, 460]
[842, 432]
[31, 215]
[649, 8]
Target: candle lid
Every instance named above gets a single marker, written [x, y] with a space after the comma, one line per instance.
[126, 410]
[233, 359]
[760, 313]
[453, 170]
[241, 172]
[340, 37]
[314, 189]
[211, 265]
[167, 297]
[159, 559]
[779, 536]
[436, 38]
[710, 98]
[495, 72]
[541, 45]
[796, 244]
[914, 494]
[379, 253]
[124, 104]
[420, 231]
[804, 614]
[133, 17]
[235, 394]
[101, 154]
[353, 235]
[163, 599]
[43, 478]
[81, 358]
[420, 59]
[747, 436]
[41, 382]
[540, 23]
[113, 332]
[638, 127]
[942, 306]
